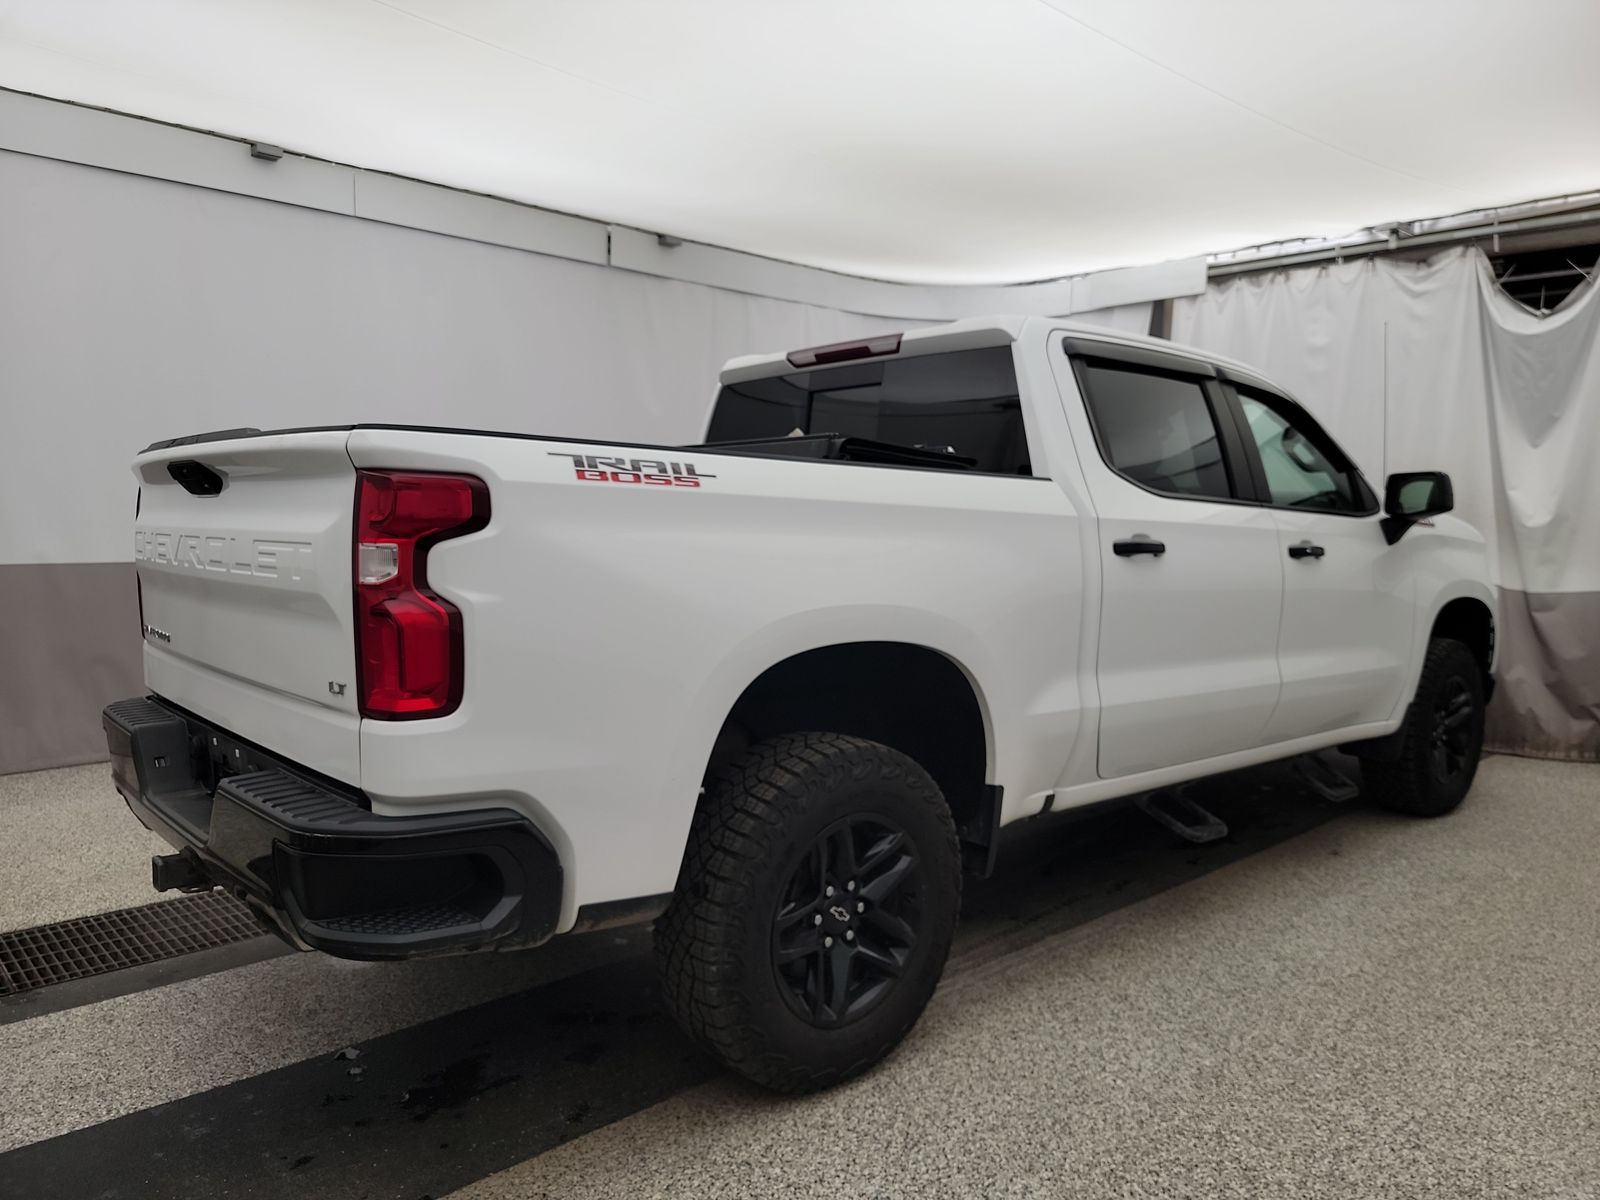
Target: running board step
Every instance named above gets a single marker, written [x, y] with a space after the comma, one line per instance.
[1325, 779]
[1176, 811]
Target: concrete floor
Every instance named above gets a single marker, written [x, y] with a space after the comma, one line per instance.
[74, 847]
[1354, 1005]
[1380, 1007]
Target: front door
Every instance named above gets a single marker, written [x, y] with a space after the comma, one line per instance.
[1345, 637]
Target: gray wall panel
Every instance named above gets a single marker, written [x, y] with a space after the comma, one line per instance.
[133, 309]
[69, 645]
[1547, 696]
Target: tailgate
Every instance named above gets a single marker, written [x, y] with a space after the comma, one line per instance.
[244, 555]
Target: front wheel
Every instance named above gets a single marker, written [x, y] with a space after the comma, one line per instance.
[1441, 741]
[814, 909]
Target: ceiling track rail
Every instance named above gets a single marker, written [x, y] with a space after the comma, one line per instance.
[1398, 243]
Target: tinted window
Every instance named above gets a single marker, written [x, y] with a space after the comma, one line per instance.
[965, 401]
[1157, 430]
[1299, 473]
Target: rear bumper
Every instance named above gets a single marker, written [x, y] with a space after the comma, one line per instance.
[313, 863]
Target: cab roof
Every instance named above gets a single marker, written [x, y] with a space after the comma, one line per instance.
[970, 333]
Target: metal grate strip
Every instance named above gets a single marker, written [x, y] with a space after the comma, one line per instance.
[129, 937]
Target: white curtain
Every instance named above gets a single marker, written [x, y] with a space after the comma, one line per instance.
[1428, 365]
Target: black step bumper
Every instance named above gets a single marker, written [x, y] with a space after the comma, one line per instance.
[310, 858]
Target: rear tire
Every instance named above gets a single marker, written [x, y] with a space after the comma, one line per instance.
[814, 910]
[1441, 740]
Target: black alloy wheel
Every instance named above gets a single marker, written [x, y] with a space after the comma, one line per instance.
[848, 921]
[1452, 730]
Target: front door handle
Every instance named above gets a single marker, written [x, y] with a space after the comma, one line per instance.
[1306, 550]
[1139, 543]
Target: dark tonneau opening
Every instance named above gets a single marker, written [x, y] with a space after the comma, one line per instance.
[839, 448]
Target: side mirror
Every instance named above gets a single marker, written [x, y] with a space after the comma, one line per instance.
[1413, 496]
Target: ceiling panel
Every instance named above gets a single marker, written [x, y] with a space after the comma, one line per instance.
[939, 141]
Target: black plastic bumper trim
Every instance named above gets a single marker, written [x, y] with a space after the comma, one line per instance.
[315, 865]
[980, 833]
[614, 914]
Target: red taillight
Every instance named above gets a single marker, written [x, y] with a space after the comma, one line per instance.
[408, 640]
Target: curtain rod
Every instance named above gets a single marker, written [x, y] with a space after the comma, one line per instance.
[1395, 241]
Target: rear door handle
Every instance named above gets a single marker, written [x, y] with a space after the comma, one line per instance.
[1306, 550]
[1139, 543]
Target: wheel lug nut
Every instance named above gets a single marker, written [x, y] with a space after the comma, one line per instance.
[827, 941]
[861, 906]
[817, 920]
[828, 891]
[851, 886]
[849, 935]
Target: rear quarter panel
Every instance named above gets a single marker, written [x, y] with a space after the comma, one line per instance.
[610, 627]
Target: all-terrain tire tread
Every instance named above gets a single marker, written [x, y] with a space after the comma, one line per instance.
[1404, 785]
[733, 840]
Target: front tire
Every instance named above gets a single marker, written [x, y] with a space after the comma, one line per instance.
[1441, 741]
[814, 909]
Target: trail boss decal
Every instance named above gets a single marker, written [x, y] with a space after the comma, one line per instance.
[653, 472]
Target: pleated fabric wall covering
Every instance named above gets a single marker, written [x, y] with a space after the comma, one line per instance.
[1428, 365]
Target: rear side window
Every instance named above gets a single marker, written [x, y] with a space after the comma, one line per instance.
[965, 401]
[1156, 430]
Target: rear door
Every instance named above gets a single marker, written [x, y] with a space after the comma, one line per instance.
[1345, 638]
[1192, 579]
[243, 550]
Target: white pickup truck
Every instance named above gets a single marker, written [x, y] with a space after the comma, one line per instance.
[418, 691]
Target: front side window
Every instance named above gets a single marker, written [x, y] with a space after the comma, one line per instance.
[1299, 473]
[963, 401]
[1157, 430]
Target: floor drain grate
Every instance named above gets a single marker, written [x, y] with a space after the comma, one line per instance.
[129, 937]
